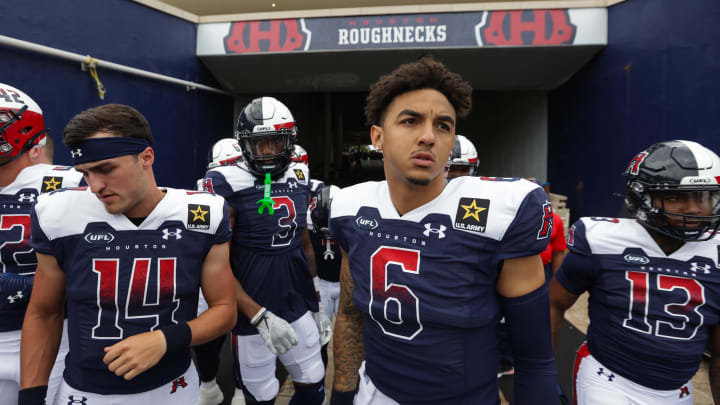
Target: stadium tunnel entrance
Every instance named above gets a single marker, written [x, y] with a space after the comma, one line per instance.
[321, 68]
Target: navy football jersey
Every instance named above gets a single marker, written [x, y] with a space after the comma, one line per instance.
[267, 256]
[649, 312]
[426, 281]
[327, 252]
[123, 279]
[16, 254]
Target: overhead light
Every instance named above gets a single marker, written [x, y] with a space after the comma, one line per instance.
[273, 4]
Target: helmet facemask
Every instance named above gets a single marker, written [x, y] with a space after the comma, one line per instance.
[656, 207]
[268, 152]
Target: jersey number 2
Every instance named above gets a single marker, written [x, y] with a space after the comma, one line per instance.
[14, 246]
[161, 308]
[644, 295]
[394, 306]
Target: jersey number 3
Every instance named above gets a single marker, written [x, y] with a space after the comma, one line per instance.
[394, 306]
[682, 318]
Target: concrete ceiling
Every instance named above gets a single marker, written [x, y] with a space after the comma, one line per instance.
[513, 68]
[220, 7]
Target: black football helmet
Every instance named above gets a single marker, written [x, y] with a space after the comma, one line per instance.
[266, 132]
[320, 208]
[675, 171]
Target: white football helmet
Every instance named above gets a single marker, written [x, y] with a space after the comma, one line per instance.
[463, 154]
[225, 152]
[21, 123]
[300, 155]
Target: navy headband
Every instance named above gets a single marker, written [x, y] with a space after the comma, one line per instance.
[94, 149]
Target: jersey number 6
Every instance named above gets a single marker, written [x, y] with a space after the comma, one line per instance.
[394, 306]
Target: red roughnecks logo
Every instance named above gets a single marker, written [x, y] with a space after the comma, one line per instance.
[526, 27]
[267, 36]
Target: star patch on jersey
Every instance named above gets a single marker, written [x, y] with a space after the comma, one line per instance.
[472, 214]
[51, 183]
[299, 174]
[198, 216]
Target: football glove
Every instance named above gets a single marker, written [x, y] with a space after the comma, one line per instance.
[277, 334]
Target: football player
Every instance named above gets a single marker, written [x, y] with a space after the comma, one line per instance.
[25, 173]
[463, 158]
[652, 281]
[327, 252]
[225, 152]
[127, 259]
[428, 265]
[268, 195]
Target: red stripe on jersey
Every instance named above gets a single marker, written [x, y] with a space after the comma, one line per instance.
[581, 353]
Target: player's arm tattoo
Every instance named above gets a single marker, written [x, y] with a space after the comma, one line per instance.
[348, 346]
[715, 363]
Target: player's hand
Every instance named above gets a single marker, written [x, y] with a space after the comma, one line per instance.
[324, 325]
[130, 357]
[277, 334]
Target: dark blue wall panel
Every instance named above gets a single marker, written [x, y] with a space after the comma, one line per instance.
[184, 123]
[658, 79]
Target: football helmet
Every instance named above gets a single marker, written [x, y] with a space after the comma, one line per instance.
[21, 123]
[266, 132]
[300, 155]
[225, 152]
[671, 173]
[463, 154]
[320, 208]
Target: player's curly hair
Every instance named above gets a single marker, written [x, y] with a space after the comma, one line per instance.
[116, 119]
[426, 73]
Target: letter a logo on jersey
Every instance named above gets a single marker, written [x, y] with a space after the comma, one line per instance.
[547, 221]
[180, 382]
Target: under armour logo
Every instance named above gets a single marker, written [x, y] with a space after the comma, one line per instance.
[439, 231]
[76, 153]
[705, 268]
[328, 254]
[26, 197]
[292, 184]
[684, 391]
[180, 382]
[13, 298]
[73, 400]
[601, 371]
[167, 234]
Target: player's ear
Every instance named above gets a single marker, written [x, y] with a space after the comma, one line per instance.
[376, 136]
[147, 157]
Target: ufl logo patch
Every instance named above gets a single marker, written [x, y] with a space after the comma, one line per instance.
[472, 214]
[198, 216]
[299, 174]
[51, 183]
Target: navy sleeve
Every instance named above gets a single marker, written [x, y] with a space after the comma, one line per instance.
[335, 228]
[38, 240]
[529, 233]
[578, 270]
[214, 182]
[223, 232]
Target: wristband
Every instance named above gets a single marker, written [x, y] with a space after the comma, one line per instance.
[258, 317]
[342, 397]
[177, 337]
[33, 395]
[316, 281]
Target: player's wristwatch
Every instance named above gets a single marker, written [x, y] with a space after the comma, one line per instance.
[33, 395]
